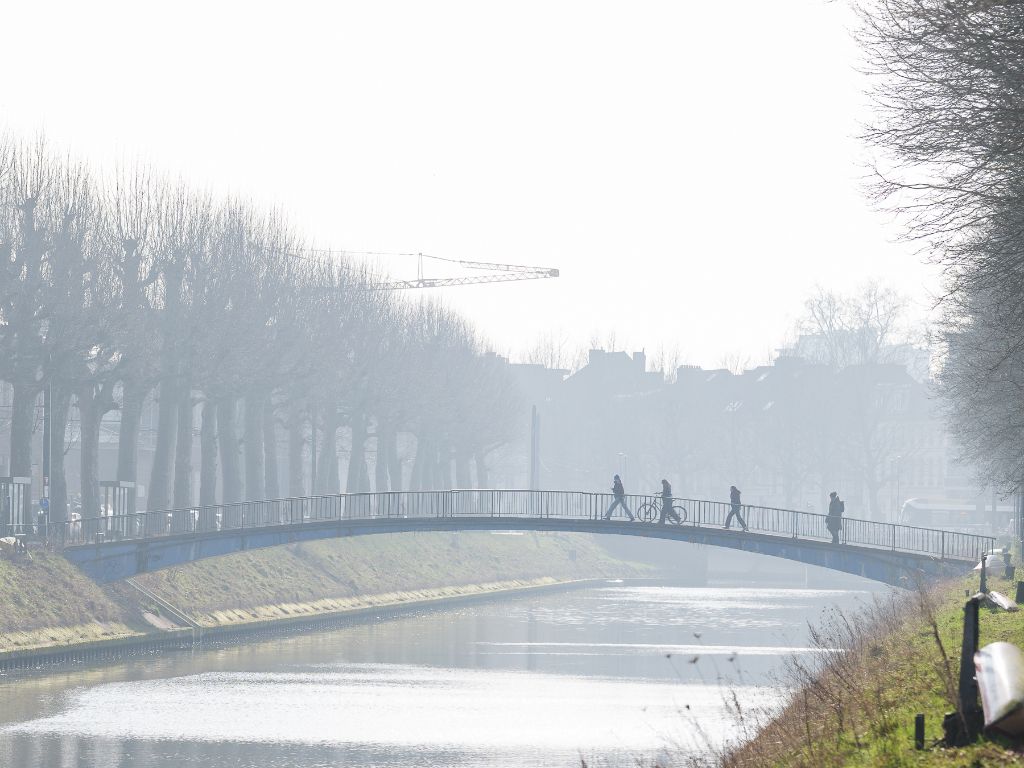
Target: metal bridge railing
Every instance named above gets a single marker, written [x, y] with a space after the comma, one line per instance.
[476, 503]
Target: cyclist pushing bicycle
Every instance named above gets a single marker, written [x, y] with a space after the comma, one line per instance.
[667, 512]
[653, 512]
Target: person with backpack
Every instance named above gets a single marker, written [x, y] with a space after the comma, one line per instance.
[834, 521]
[620, 500]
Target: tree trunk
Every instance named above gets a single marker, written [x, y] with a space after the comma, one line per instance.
[874, 513]
[22, 405]
[183, 452]
[327, 462]
[417, 481]
[229, 450]
[463, 478]
[429, 477]
[60, 403]
[161, 476]
[296, 445]
[442, 470]
[789, 490]
[273, 489]
[93, 402]
[380, 466]
[481, 470]
[134, 398]
[364, 475]
[89, 416]
[683, 473]
[314, 428]
[208, 455]
[159, 496]
[394, 463]
[357, 457]
[254, 482]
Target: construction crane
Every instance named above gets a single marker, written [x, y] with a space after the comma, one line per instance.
[499, 273]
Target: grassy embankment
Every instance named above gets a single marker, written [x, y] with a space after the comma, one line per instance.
[48, 602]
[336, 575]
[857, 708]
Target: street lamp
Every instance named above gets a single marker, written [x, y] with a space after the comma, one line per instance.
[622, 465]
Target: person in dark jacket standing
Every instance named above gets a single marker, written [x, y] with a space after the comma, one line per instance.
[734, 499]
[834, 521]
[620, 500]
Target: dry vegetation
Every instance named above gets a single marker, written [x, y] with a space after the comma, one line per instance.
[854, 703]
[47, 591]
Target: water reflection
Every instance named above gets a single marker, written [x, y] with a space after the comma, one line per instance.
[616, 672]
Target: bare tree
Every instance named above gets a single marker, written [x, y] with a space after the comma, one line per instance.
[130, 233]
[667, 360]
[868, 326]
[53, 285]
[146, 288]
[554, 349]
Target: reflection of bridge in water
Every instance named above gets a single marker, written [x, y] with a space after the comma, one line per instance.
[118, 546]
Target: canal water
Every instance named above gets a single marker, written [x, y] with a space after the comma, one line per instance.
[612, 674]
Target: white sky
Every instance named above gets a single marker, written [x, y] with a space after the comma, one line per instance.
[691, 168]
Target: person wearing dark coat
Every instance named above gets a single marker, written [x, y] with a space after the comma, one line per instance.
[734, 499]
[666, 504]
[834, 521]
[620, 500]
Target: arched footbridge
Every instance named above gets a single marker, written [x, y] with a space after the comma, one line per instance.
[118, 546]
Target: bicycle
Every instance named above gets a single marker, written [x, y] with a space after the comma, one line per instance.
[650, 512]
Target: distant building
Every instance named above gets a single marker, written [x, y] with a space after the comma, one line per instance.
[786, 433]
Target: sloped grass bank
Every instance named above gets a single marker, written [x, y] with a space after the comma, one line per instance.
[328, 575]
[48, 603]
[854, 703]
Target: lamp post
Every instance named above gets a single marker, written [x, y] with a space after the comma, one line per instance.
[622, 465]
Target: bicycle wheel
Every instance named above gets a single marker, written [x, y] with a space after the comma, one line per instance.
[681, 512]
[648, 512]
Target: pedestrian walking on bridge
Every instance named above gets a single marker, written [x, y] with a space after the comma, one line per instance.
[734, 499]
[620, 500]
[834, 521]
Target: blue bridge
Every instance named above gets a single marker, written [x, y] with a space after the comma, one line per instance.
[114, 547]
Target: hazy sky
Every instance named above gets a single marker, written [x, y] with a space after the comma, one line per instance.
[692, 168]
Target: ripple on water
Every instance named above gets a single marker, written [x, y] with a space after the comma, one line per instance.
[667, 606]
[358, 705]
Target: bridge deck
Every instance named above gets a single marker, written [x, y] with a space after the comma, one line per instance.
[116, 546]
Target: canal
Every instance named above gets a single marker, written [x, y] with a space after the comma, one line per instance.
[611, 673]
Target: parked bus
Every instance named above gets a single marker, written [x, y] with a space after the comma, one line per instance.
[957, 515]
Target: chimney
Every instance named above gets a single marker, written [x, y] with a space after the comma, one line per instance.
[640, 358]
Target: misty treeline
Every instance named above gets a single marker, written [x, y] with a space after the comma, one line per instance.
[118, 288]
[837, 409]
[949, 95]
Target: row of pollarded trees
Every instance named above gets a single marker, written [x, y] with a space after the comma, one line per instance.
[950, 124]
[118, 290]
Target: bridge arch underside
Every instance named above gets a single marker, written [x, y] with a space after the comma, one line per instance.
[115, 560]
